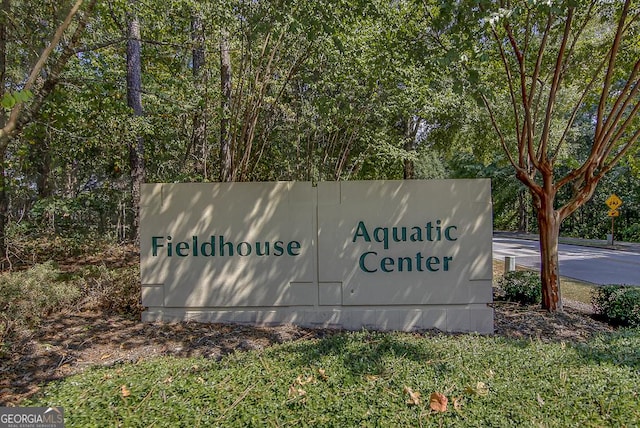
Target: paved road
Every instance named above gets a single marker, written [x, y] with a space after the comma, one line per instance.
[595, 265]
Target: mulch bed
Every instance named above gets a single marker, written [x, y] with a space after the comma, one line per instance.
[69, 343]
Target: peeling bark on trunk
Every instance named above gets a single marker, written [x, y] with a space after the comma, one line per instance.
[549, 225]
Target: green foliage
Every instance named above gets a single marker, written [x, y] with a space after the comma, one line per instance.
[619, 304]
[27, 296]
[363, 379]
[522, 286]
[89, 212]
[630, 233]
[10, 99]
[31, 246]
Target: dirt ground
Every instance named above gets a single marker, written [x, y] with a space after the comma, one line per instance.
[69, 343]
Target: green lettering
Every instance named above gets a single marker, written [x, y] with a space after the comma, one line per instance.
[419, 261]
[264, 251]
[416, 236]
[385, 236]
[447, 233]
[361, 231]
[182, 246]
[224, 244]
[247, 246]
[292, 247]
[385, 263]
[446, 261]
[155, 245]
[433, 261]
[363, 267]
[211, 245]
[401, 263]
[278, 248]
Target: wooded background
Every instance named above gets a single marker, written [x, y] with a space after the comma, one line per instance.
[249, 90]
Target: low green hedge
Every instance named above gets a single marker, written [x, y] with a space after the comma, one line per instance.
[521, 286]
[618, 304]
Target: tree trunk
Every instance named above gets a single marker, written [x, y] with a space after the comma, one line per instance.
[549, 225]
[42, 158]
[523, 217]
[226, 160]
[199, 132]
[411, 125]
[4, 13]
[134, 100]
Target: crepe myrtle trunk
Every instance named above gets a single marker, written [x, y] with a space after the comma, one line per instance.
[549, 229]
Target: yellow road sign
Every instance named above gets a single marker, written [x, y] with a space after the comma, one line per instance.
[613, 201]
[614, 213]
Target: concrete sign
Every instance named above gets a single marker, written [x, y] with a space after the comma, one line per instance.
[398, 255]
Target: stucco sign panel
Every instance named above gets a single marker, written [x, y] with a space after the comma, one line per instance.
[396, 255]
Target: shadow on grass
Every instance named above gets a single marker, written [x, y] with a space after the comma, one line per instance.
[369, 353]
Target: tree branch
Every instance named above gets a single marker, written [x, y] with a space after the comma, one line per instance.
[555, 85]
[10, 126]
[611, 68]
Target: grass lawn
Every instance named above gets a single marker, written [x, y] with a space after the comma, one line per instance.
[369, 379]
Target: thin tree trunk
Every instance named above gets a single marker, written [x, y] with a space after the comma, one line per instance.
[523, 218]
[134, 100]
[4, 12]
[199, 135]
[226, 160]
[42, 158]
[410, 132]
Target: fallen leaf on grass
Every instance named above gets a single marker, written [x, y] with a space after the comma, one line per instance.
[480, 389]
[296, 392]
[540, 400]
[300, 381]
[125, 391]
[414, 396]
[438, 402]
[457, 403]
[322, 374]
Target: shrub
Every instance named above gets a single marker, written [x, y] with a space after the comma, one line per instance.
[619, 304]
[113, 291]
[521, 286]
[630, 234]
[27, 296]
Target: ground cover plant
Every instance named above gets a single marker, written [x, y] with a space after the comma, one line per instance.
[369, 379]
